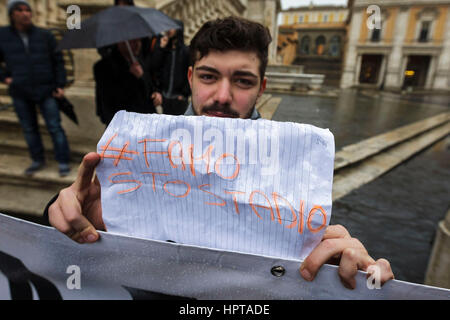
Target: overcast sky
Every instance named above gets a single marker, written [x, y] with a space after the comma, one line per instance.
[285, 4]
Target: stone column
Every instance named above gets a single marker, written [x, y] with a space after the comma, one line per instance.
[265, 12]
[394, 79]
[349, 78]
[439, 264]
[442, 78]
[4, 20]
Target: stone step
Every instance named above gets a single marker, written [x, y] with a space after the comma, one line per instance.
[12, 173]
[23, 200]
[357, 152]
[354, 176]
[12, 140]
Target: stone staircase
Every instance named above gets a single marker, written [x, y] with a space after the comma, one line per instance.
[27, 196]
[331, 68]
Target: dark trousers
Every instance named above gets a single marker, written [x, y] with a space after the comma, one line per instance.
[26, 111]
[174, 107]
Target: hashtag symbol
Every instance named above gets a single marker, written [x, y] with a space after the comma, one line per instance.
[122, 151]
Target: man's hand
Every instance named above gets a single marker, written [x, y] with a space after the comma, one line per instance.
[338, 246]
[8, 81]
[157, 99]
[58, 93]
[77, 212]
[136, 70]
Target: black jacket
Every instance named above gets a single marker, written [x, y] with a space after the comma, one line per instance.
[174, 65]
[117, 89]
[36, 72]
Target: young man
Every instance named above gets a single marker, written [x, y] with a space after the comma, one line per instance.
[229, 58]
[35, 75]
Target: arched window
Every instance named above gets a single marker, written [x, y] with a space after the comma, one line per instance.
[320, 45]
[305, 44]
[335, 46]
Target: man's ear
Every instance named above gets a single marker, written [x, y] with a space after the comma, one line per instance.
[263, 87]
[190, 75]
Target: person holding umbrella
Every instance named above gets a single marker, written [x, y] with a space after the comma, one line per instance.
[123, 79]
[174, 57]
[122, 82]
[35, 75]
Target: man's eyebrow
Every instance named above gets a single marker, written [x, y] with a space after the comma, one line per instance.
[209, 69]
[236, 73]
[245, 74]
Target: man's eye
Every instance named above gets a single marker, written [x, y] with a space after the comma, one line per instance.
[244, 82]
[207, 77]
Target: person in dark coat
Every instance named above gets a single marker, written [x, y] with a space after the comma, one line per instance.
[35, 74]
[123, 84]
[173, 57]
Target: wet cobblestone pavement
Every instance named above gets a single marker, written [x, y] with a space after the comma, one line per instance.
[353, 117]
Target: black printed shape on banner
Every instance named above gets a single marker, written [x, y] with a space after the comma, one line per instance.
[19, 278]
[140, 294]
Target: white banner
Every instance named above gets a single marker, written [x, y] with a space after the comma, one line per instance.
[38, 262]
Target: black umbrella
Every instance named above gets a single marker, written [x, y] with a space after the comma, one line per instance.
[117, 24]
[67, 108]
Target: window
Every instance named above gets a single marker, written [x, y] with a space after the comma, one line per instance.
[304, 45]
[335, 46]
[300, 19]
[320, 45]
[424, 31]
[325, 18]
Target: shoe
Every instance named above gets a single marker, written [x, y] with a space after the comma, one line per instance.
[64, 169]
[35, 166]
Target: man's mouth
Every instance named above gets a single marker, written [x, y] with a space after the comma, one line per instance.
[220, 114]
[220, 111]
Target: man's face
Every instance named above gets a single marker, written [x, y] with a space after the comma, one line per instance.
[226, 84]
[22, 15]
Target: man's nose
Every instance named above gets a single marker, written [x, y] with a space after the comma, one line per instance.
[223, 93]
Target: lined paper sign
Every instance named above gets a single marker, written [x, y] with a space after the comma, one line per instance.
[253, 186]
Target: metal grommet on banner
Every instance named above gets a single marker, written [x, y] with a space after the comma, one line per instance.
[278, 271]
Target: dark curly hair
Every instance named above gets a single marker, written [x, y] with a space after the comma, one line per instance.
[232, 33]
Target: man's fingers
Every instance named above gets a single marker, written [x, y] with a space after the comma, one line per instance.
[86, 171]
[353, 260]
[323, 252]
[56, 219]
[348, 268]
[336, 231]
[384, 270]
[72, 215]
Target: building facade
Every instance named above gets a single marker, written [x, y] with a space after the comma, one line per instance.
[409, 47]
[193, 13]
[314, 36]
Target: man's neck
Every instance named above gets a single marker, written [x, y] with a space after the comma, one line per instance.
[21, 27]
